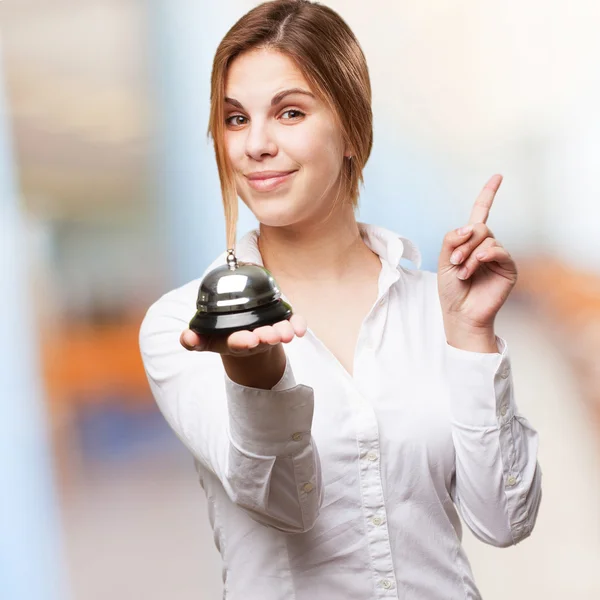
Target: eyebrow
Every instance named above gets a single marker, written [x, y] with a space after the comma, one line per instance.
[277, 98]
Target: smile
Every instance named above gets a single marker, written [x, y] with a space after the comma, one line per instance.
[267, 181]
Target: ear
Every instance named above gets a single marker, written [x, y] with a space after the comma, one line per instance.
[348, 150]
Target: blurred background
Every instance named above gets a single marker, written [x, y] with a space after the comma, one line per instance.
[110, 198]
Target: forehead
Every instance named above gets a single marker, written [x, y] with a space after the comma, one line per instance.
[261, 73]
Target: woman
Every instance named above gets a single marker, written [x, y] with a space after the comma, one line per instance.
[337, 459]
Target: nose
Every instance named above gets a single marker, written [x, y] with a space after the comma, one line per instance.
[260, 143]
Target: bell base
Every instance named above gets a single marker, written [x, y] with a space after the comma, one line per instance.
[226, 323]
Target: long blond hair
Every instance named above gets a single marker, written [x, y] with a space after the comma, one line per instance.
[326, 51]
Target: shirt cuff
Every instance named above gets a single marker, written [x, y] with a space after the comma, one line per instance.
[270, 422]
[287, 379]
[480, 386]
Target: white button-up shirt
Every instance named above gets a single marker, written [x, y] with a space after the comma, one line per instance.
[332, 487]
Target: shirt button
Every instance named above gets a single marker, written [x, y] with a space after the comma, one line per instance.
[297, 437]
[503, 410]
[386, 583]
[372, 455]
[511, 480]
[377, 521]
[308, 487]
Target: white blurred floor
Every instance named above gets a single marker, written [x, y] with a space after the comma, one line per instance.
[140, 531]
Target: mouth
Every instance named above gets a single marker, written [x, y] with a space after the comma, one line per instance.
[265, 181]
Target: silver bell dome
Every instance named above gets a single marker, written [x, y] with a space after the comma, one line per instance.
[236, 296]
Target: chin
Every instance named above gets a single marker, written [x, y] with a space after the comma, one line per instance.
[279, 218]
[273, 210]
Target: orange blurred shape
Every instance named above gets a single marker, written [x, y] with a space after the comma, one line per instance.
[83, 363]
[569, 300]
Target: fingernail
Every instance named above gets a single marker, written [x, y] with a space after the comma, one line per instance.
[464, 230]
[463, 273]
[456, 258]
[199, 347]
[480, 255]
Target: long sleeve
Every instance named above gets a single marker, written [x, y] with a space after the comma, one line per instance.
[498, 479]
[257, 442]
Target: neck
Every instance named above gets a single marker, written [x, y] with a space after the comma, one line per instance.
[326, 251]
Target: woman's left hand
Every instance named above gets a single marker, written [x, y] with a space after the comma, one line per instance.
[475, 275]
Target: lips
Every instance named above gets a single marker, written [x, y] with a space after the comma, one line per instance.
[265, 181]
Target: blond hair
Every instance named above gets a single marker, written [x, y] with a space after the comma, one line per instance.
[326, 51]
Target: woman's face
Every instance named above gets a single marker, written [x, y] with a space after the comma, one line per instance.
[283, 142]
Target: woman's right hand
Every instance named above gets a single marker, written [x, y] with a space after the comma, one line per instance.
[246, 343]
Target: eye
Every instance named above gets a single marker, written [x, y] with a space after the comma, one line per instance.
[236, 120]
[294, 113]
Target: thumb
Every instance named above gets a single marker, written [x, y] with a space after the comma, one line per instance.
[452, 240]
[190, 340]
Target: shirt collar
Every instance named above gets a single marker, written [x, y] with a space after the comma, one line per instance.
[390, 246]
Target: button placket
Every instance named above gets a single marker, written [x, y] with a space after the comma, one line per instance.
[372, 494]
[369, 458]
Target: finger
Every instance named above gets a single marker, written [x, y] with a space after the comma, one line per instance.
[299, 324]
[190, 340]
[452, 240]
[480, 232]
[268, 335]
[483, 204]
[472, 263]
[285, 330]
[500, 255]
[240, 341]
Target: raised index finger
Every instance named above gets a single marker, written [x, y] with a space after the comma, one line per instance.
[481, 208]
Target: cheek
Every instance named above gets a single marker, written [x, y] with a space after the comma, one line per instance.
[234, 147]
[317, 151]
